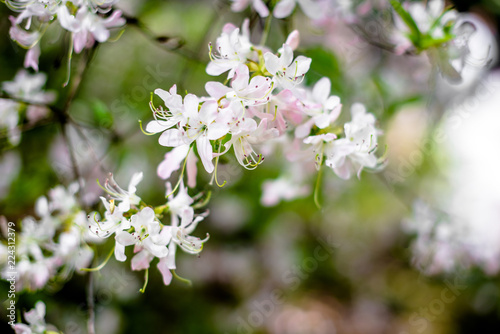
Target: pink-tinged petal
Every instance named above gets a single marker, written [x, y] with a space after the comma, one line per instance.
[115, 20]
[283, 8]
[191, 169]
[120, 252]
[344, 171]
[272, 63]
[303, 130]
[26, 39]
[187, 217]
[216, 89]
[261, 8]
[293, 39]
[31, 58]
[141, 260]
[205, 152]
[241, 77]
[22, 329]
[171, 138]
[79, 40]
[229, 28]
[238, 6]
[335, 113]
[164, 270]
[172, 161]
[311, 9]
[322, 90]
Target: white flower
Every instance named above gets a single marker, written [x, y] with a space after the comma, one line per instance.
[286, 71]
[181, 234]
[201, 126]
[244, 140]
[358, 146]
[321, 107]
[259, 6]
[282, 188]
[147, 235]
[113, 220]
[285, 7]
[232, 50]
[126, 198]
[36, 320]
[28, 87]
[166, 119]
[87, 26]
[248, 91]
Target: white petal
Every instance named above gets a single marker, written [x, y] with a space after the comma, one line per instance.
[272, 62]
[171, 138]
[205, 152]
[172, 161]
[164, 270]
[321, 90]
[283, 8]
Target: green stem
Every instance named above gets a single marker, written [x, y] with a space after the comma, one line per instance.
[99, 267]
[317, 187]
[182, 279]
[146, 279]
[267, 29]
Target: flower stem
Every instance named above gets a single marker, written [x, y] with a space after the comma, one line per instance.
[182, 279]
[267, 29]
[146, 279]
[99, 267]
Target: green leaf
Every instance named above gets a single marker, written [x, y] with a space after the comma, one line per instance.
[102, 115]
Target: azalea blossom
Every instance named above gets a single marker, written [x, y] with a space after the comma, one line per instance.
[125, 197]
[285, 7]
[356, 150]
[36, 321]
[286, 71]
[88, 27]
[322, 107]
[259, 6]
[248, 91]
[232, 49]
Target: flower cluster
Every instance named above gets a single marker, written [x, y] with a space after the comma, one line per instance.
[87, 20]
[135, 224]
[26, 98]
[264, 103]
[55, 245]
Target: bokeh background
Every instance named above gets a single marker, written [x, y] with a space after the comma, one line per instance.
[357, 265]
